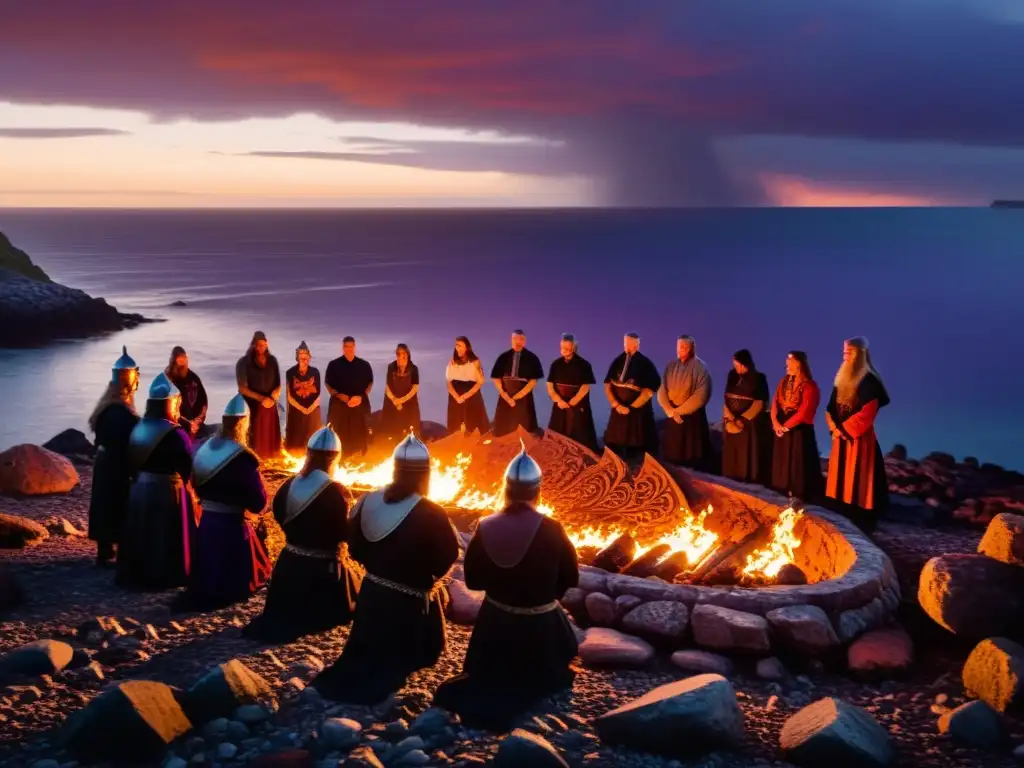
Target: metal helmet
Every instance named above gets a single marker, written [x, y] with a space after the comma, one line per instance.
[325, 440]
[163, 389]
[412, 454]
[236, 408]
[523, 473]
[124, 368]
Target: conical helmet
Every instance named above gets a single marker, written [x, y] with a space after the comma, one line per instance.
[325, 440]
[411, 453]
[236, 408]
[163, 389]
[523, 473]
[124, 368]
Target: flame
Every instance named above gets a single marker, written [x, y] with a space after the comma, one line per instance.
[779, 551]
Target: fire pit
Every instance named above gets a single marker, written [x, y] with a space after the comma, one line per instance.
[700, 546]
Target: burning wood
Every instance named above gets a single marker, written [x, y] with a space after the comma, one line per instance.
[616, 555]
[647, 563]
[722, 556]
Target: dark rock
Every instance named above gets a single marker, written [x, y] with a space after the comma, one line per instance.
[971, 461]
[294, 758]
[941, 459]
[899, 452]
[881, 652]
[973, 595]
[974, 724]
[340, 733]
[222, 690]
[994, 672]
[16, 261]
[1004, 539]
[702, 662]
[522, 748]
[17, 532]
[40, 657]
[11, 594]
[70, 443]
[790, 576]
[803, 628]
[833, 733]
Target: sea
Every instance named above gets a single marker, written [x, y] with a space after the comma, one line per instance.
[936, 291]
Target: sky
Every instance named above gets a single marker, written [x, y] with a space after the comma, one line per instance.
[533, 103]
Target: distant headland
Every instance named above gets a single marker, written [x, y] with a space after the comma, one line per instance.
[1007, 204]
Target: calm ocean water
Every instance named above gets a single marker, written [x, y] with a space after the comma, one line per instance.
[936, 292]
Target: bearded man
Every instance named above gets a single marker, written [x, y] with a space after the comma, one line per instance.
[683, 395]
[856, 470]
[193, 394]
[259, 382]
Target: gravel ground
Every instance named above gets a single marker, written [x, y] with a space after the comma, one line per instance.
[65, 589]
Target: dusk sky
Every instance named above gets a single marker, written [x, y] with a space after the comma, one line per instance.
[135, 103]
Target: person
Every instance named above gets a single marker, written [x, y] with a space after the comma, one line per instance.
[112, 421]
[229, 562]
[630, 384]
[569, 380]
[746, 425]
[349, 380]
[515, 374]
[523, 645]
[194, 401]
[401, 411]
[259, 382]
[407, 545]
[313, 588]
[796, 464]
[302, 382]
[156, 545]
[856, 470]
[465, 376]
[683, 395]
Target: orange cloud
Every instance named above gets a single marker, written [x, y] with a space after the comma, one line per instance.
[798, 192]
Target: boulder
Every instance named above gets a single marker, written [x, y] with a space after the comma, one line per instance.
[726, 629]
[17, 532]
[463, 603]
[222, 690]
[833, 733]
[803, 628]
[994, 672]
[607, 647]
[521, 748]
[71, 443]
[1004, 539]
[974, 724]
[600, 609]
[11, 594]
[702, 662]
[771, 669]
[30, 470]
[134, 721]
[40, 657]
[881, 651]
[340, 733]
[973, 595]
[679, 719]
[662, 620]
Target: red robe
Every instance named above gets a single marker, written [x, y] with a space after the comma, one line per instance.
[856, 470]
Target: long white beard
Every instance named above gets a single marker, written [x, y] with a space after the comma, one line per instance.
[849, 376]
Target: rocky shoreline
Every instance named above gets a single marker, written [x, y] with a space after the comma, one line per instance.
[904, 692]
[35, 310]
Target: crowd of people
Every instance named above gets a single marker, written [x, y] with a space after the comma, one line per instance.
[170, 514]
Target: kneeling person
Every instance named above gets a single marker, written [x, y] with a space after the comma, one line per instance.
[312, 589]
[229, 562]
[522, 644]
[407, 544]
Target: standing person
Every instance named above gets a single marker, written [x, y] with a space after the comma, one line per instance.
[515, 374]
[259, 382]
[407, 545]
[302, 382]
[229, 562]
[465, 377]
[796, 464]
[194, 401]
[313, 588]
[156, 543]
[112, 421]
[630, 384]
[522, 644]
[569, 380]
[856, 470]
[401, 411]
[349, 380]
[683, 395]
[746, 425]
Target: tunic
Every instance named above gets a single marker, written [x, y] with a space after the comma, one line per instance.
[264, 423]
[746, 432]
[156, 542]
[350, 378]
[399, 625]
[303, 388]
[111, 479]
[522, 643]
[516, 370]
[577, 422]
[856, 469]
[229, 561]
[796, 463]
[194, 403]
[473, 412]
[313, 588]
[394, 423]
[634, 431]
[686, 385]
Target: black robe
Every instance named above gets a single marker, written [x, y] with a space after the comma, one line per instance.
[395, 424]
[264, 423]
[515, 375]
[747, 454]
[156, 543]
[522, 560]
[111, 479]
[635, 432]
[394, 633]
[299, 427]
[194, 401]
[313, 588]
[350, 378]
[796, 462]
[577, 422]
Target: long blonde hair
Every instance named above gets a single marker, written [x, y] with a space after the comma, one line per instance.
[114, 393]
